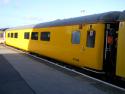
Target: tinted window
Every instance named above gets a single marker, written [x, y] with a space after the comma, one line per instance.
[90, 39]
[16, 35]
[76, 37]
[45, 36]
[8, 35]
[34, 36]
[11, 35]
[26, 35]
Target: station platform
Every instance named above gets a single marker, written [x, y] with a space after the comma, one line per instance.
[22, 74]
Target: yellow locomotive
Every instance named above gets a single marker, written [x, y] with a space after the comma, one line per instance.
[87, 42]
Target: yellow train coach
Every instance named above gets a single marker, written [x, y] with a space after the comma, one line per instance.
[120, 66]
[88, 42]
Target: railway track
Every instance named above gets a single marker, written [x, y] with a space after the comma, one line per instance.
[84, 72]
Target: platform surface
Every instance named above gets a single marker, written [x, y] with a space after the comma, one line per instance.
[21, 74]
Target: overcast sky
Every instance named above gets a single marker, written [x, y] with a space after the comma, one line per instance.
[23, 12]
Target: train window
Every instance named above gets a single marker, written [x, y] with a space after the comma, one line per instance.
[16, 35]
[76, 37]
[90, 39]
[34, 36]
[11, 35]
[8, 35]
[26, 35]
[45, 36]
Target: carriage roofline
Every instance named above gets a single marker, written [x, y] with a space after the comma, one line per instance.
[122, 16]
[107, 17]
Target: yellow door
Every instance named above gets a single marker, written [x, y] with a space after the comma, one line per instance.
[120, 65]
[92, 38]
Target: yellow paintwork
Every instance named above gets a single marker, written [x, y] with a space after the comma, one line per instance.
[120, 65]
[93, 57]
[60, 46]
[19, 42]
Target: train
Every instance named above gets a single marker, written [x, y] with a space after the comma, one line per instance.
[94, 42]
[2, 35]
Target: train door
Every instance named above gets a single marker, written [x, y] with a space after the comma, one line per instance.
[120, 69]
[92, 46]
[111, 35]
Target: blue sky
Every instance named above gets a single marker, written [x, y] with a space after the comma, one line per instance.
[23, 12]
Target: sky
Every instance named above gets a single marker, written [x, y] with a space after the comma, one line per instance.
[24, 12]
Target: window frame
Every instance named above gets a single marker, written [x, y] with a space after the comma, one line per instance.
[91, 38]
[12, 35]
[8, 35]
[26, 35]
[33, 37]
[44, 36]
[15, 35]
[73, 37]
